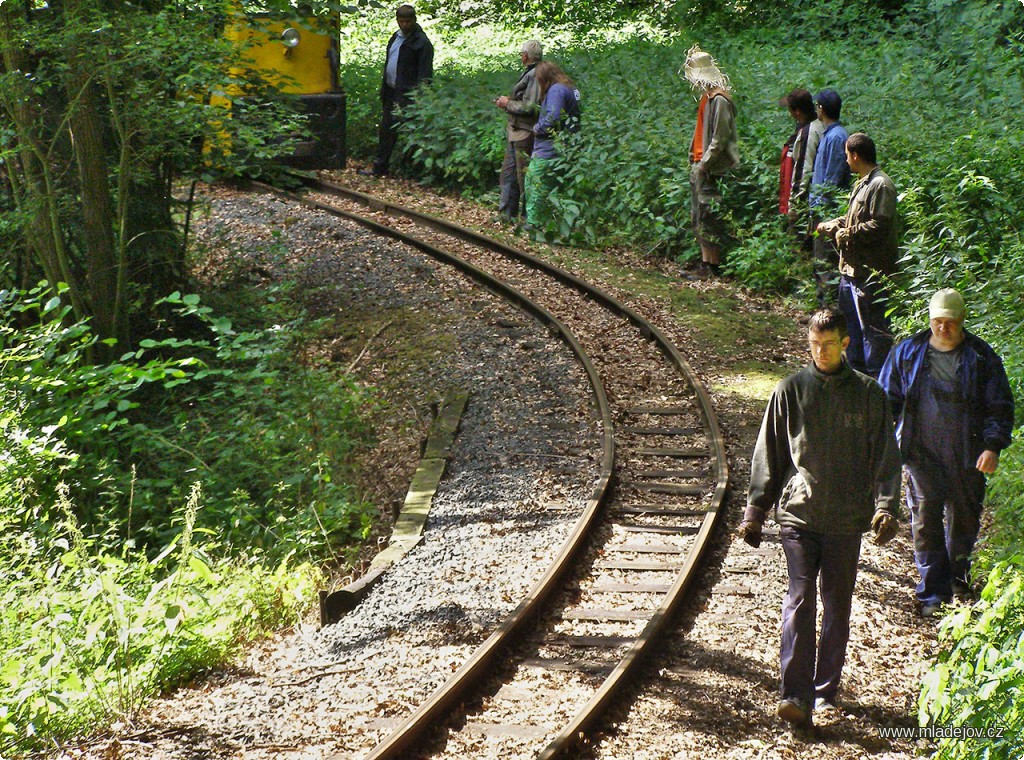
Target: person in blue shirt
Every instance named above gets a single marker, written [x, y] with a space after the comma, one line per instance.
[954, 414]
[831, 176]
[559, 112]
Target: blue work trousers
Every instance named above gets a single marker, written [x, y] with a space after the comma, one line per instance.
[945, 508]
[863, 304]
[813, 666]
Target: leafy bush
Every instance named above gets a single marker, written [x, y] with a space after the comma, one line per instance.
[88, 635]
[270, 438]
[462, 153]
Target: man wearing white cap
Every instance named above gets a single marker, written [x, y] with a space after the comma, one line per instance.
[954, 413]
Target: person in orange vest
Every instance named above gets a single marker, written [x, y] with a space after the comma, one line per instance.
[714, 150]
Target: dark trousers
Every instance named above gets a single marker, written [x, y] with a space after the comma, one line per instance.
[863, 305]
[812, 667]
[705, 208]
[945, 507]
[390, 101]
[825, 260]
[513, 177]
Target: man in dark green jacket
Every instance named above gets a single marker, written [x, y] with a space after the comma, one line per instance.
[826, 461]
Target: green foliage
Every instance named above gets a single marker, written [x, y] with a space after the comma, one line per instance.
[110, 593]
[767, 257]
[463, 153]
[55, 404]
[625, 180]
[86, 635]
[561, 13]
[102, 107]
[978, 679]
[270, 438]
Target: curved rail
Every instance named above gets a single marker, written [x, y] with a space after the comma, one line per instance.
[404, 738]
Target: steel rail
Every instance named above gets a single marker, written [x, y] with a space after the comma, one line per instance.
[453, 691]
[400, 741]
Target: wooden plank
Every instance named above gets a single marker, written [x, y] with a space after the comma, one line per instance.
[659, 511]
[665, 410]
[630, 588]
[572, 665]
[623, 564]
[674, 489]
[671, 530]
[673, 431]
[558, 425]
[609, 642]
[647, 549]
[600, 615]
[504, 729]
[725, 589]
[691, 453]
[442, 432]
[408, 528]
[694, 473]
[418, 500]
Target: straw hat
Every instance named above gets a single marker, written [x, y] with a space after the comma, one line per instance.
[701, 71]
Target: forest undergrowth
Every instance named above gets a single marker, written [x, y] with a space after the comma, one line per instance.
[200, 471]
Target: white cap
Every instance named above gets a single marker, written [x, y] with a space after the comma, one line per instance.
[946, 304]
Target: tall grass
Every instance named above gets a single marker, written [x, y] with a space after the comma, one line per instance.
[159, 511]
[87, 635]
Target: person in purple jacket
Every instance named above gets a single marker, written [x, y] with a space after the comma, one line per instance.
[559, 112]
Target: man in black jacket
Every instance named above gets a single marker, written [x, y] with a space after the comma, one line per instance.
[409, 61]
[826, 462]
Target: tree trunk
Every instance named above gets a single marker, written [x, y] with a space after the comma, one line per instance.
[87, 129]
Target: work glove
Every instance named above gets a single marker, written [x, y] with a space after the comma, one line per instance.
[885, 527]
[750, 532]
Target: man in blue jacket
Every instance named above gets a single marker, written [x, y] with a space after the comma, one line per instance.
[954, 411]
[408, 62]
[831, 175]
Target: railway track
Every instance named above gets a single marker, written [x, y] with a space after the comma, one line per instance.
[574, 641]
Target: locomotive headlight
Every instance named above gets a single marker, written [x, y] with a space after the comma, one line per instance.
[290, 37]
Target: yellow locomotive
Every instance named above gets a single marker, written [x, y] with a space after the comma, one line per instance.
[298, 58]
